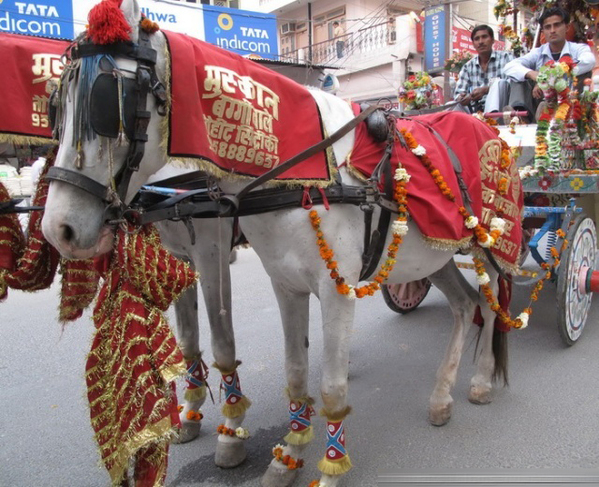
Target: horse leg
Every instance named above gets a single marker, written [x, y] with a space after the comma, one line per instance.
[492, 362]
[337, 318]
[283, 468]
[462, 299]
[213, 262]
[186, 312]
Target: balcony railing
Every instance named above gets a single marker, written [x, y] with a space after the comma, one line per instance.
[364, 42]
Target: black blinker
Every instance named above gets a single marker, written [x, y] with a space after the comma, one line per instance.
[104, 106]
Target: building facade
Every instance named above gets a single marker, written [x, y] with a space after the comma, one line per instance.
[381, 43]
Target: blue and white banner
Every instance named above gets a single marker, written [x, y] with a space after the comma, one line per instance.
[434, 39]
[48, 18]
[241, 31]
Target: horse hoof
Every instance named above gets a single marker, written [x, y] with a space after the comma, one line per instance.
[278, 477]
[188, 432]
[440, 415]
[229, 455]
[478, 395]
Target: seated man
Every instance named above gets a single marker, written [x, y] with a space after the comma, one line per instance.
[524, 70]
[477, 74]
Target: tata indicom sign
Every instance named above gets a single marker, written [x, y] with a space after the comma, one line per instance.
[434, 39]
[48, 18]
[241, 31]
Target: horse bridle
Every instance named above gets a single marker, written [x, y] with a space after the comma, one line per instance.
[146, 81]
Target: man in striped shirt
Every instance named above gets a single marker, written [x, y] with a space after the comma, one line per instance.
[478, 74]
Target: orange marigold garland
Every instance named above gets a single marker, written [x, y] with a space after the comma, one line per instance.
[522, 320]
[287, 460]
[241, 433]
[399, 229]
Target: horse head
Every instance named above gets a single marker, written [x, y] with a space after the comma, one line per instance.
[107, 117]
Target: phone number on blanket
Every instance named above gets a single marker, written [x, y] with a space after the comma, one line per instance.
[242, 153]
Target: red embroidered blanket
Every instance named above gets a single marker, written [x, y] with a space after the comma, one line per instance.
[229, 113]
[495, 190]
[28, 64]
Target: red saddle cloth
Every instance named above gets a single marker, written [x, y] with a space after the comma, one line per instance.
[28, 64]
[479, 151]
[233, 115]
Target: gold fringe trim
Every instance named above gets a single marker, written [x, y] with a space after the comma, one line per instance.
[161, 432]
[26, 139]
[227, 371]
[300, 400]
[194, 395]
[173, 371]
[504, 264]
[335, 467]
[354, 172]
[193, 358]
[447, 244]
[300, 437]
[233, 411]
[336, 417]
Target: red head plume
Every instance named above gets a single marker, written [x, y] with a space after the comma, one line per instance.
[107, 23]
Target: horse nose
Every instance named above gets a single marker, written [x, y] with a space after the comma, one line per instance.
[67, 234]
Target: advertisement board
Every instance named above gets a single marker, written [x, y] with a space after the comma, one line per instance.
[241, 31]
[434, 39]
[48, 18]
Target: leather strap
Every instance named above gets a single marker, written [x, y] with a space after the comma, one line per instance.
[199, 204]
[315, 149]
[80, 181]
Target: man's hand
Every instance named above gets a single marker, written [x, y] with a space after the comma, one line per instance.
[532, 75]
[537, 92]
[464, 99]
[478, 93]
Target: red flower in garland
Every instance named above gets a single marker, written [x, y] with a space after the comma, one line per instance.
[545, 183]
[568, 60]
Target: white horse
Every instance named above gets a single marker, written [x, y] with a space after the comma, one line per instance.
[75, 222]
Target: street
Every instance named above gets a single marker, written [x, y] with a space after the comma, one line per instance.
[546, 418]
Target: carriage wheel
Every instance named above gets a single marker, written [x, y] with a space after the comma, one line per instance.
[403, 298]
[572, 303]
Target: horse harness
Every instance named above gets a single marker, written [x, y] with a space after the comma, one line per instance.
[135, 117]
[204, 200]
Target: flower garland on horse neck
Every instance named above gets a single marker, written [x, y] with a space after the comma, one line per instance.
[399, 229]
[400, 225]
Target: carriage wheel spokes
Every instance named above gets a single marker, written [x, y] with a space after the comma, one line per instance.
[577, 266]
[406, 297]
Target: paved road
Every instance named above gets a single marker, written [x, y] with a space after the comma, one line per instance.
[546, 418]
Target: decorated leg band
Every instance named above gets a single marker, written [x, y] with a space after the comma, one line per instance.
[287, 460]
[235, 402]
[197, 373]
[336, 460]
[300, 414]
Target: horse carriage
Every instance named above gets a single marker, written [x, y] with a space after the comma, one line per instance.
[136, 121]
[560, 194]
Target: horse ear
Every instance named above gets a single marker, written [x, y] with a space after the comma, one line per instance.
[132, 13]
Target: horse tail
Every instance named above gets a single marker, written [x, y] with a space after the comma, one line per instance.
[501, 356]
